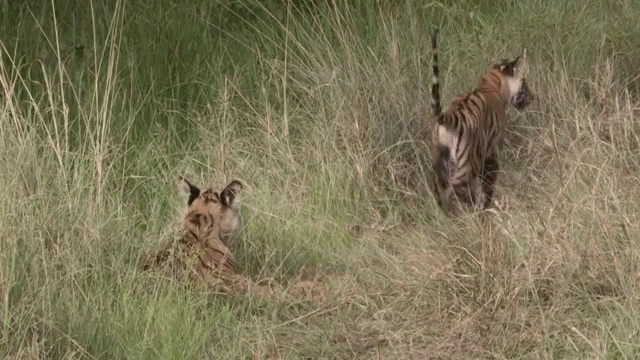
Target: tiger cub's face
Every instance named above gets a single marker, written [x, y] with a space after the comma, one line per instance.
[222, 208]
[520, 96]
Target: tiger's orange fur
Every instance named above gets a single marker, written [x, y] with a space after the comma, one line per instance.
[466, 137]
[212, 219]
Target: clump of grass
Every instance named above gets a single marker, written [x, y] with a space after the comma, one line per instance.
[320, 109]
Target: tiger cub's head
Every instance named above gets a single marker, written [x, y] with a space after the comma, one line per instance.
[222, 208]
[514, 71]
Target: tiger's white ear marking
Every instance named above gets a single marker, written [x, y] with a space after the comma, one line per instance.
[231, 194]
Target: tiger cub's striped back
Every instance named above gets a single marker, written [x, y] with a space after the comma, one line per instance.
[466, 136]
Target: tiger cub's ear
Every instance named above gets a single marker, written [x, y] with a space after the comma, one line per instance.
[521, 65]
[517, 67]
[190, 189]
[231, 193]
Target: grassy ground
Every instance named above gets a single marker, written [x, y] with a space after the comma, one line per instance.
[322, 113]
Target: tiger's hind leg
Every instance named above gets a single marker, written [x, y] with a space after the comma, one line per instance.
[435, 189]
[489, 178]
[441, 172]
[464, 195]
[479, 198]
[442, 193]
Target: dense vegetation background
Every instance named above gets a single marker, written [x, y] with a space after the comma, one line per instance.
[320, 108]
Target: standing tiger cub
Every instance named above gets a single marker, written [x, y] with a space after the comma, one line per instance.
[212, 219]
[465, 137]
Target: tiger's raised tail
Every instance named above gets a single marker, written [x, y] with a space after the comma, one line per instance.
[440, 151]
[436, 106]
